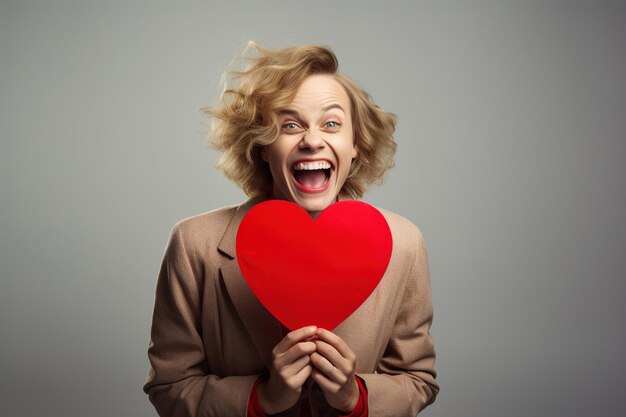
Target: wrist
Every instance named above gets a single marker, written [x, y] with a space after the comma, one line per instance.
[265, 401]
[274, 399]
[351, 398]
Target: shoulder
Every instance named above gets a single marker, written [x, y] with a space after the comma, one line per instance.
[407, 237]
[201, 231]
[401, 227]
[209, 222]
[409, 254]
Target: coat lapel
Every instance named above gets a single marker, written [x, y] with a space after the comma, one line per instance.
[264, 330]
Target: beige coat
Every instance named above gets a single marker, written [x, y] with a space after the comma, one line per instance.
[211, 338]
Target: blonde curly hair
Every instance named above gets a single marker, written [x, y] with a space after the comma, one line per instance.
[246, 117]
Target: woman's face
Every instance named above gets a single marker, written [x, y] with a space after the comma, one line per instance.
[311, 157]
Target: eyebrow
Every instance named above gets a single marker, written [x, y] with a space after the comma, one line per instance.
[333, 106]
[294, 112]
[291, 112]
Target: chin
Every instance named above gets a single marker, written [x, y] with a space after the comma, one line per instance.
[312, 200]
[314, 205]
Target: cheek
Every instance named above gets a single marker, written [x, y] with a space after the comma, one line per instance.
[277, 150]
[348, 149]
[276, 161]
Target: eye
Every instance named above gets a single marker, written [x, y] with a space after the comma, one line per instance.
[291, 127]
[331, 124]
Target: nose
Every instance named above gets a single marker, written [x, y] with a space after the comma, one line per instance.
[312, 141]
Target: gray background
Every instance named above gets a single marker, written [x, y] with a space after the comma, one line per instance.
[512, 156]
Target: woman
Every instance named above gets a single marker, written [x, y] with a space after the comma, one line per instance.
[295, 129]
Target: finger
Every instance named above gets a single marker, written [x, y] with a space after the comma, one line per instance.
[337, 342]
[334, 357]
[302, 349]
[328, 369]
[322, 380]
[300, 378]
[329, 352]
[292, 338]
[291, 369]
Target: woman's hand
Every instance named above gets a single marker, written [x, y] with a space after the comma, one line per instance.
[290, 370]
[334, 363]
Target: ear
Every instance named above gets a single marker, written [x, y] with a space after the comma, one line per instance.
[355, 152]
[264, 153]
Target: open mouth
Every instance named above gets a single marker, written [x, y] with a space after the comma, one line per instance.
[312, 176]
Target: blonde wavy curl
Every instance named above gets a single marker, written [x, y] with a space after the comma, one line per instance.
[245, 118]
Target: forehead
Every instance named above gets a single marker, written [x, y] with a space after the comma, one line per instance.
[320, 91]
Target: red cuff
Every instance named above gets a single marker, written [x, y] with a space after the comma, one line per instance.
[254, 407]
[360, 409]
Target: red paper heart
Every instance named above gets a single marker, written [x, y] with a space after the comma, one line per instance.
[307, 271]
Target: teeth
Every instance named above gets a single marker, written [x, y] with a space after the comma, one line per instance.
[311, 165]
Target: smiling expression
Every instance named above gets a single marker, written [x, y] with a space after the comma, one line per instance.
[310, 160]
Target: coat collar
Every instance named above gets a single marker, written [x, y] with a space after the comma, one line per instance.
[228, 244]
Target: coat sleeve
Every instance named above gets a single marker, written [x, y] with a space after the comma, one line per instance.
[404, 382]
[178, 384]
